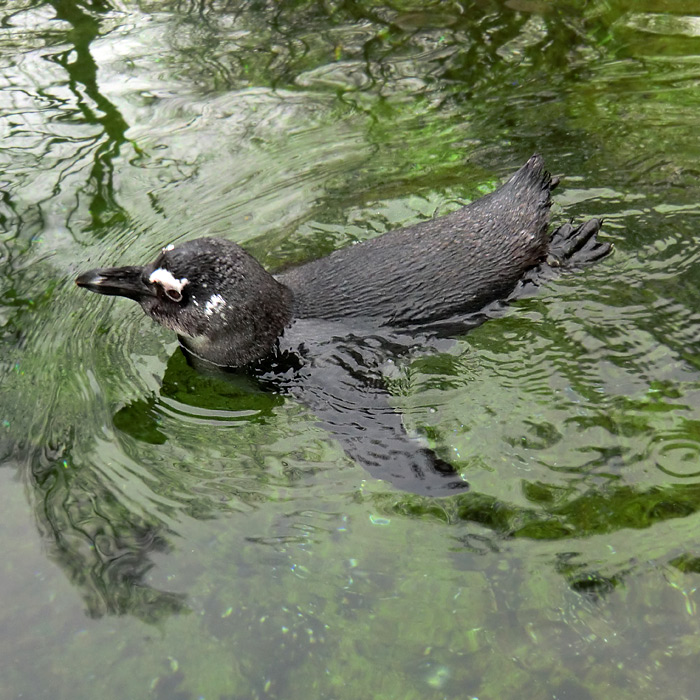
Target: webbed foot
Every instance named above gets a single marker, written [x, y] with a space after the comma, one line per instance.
[571, 247]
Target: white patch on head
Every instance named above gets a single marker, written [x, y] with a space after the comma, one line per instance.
[166, 280]
[216, 301]
[168, 248]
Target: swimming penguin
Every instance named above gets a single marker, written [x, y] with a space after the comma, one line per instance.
[322, 331]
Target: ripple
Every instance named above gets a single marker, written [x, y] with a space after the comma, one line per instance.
[661, 23]
[676, 453]
[203, 416]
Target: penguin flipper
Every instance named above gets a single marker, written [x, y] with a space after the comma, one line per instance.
[340, 382]
[372, 433]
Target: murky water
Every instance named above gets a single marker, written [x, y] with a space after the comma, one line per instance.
[172, 535]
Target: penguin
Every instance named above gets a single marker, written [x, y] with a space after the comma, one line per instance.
[321, 331]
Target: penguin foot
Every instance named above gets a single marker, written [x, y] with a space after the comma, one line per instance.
[571, 247]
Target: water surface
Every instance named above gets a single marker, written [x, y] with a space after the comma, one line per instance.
[171, 535]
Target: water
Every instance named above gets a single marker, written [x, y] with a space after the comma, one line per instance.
[169, 535]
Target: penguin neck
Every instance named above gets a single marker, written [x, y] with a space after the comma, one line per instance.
[249, 333]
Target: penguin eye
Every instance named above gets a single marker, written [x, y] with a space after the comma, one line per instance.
[171, 286]
[173, 294]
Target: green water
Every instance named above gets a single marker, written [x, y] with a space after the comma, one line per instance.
[168, 535]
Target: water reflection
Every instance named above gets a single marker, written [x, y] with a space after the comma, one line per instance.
[94, 108]
[63, 125]
[297, 128]
[105, 544]
[102, 543]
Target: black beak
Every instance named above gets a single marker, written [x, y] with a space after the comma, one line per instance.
[117, 281]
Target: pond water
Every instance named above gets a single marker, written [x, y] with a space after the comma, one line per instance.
[171, 535]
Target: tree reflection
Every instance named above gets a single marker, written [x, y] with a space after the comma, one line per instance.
[104, 546]
[94, 107]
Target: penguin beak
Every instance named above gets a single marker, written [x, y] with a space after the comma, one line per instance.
[117, 281]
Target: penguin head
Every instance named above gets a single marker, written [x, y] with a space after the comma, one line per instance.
[225, 307]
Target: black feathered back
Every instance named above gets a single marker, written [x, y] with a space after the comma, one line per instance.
[438, 268]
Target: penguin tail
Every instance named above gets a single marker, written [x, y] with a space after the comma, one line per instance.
[533, 180]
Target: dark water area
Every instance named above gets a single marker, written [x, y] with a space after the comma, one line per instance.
[173, 535]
